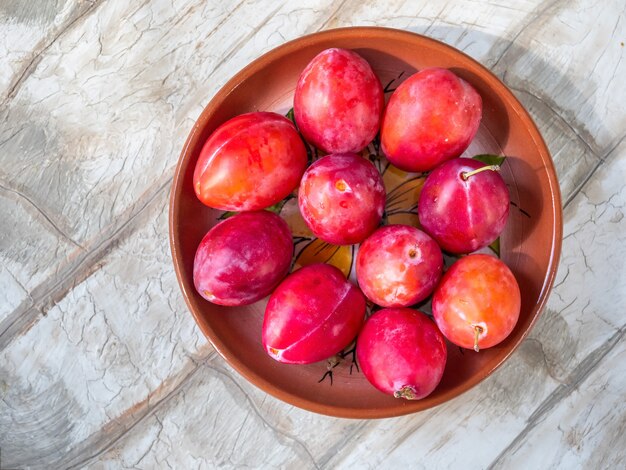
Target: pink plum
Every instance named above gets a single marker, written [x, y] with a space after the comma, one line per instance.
[402, 353]
[249, 163]
[242, 258]
[464, 212]
[342, 198]
[338, 102]
[398, 266]
[313, 314]
[430, 118]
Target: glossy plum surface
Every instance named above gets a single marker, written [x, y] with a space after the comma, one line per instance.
[402, 353]
[398, 266]
[478, 291]
[249, 163]
[342, 198]
[463, 215]
[242, 259]
[313, 314]
[338, 102]
[430, 118]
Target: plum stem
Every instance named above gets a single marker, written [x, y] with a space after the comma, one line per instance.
[477, 331]
[407, 392]
[466, 174]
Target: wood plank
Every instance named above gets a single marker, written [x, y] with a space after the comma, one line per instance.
[574, 68]
[573, 158]
[209, 423]
[577, 318]
[12, 293]
[321, 435]
[27, 30]
[481, 29]
[586, 428]
[115, 346]
[82, 177]
[130, 136]
[29, 251]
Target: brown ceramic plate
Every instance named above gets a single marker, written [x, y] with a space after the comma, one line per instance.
[530, 245]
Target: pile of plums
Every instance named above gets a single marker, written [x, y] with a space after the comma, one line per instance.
[255, 160]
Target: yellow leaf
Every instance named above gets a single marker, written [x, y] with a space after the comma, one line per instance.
[318, 251]
[403, 192]
[404, 218]
[291, 214]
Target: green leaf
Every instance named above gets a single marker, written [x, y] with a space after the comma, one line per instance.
[309, 152]
[490, 159]
[276, 208]
[495, 246]
[227, 214]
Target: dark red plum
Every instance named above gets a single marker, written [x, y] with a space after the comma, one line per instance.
[464, 209]
[402, 353]
[242, 258]
[313, 314]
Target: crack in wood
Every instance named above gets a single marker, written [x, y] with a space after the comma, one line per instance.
[107, 438]
[41, 212]
[576, 378]
[605, 158]
[535, 16]
[37, 56]
[53, 289]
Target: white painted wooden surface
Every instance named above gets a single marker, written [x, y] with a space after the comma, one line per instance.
[101, 365]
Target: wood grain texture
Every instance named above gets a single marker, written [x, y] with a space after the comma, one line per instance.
[584, 427]
[28, 30]
[101, 366]
[252, 438]
[115, 345]
[583, 41]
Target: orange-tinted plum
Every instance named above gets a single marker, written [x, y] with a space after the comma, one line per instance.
[461, 208]
[430, 118]
[242, 259]
[250, 162]
[398, 266]
[402, 353]
[342, 198]
[313, 314]
[477, 303]
[338, 102]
